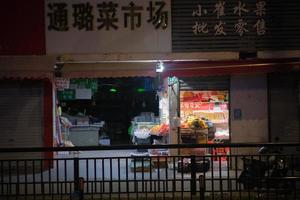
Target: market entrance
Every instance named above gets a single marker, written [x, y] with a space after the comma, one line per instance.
[101, 110]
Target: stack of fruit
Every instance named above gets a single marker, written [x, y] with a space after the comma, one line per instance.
[160, 130]
[194, 122]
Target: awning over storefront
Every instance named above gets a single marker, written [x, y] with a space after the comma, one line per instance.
[25, 75]
[26, 67]
[128, 64]
[40, 67]
[108, 69]
[211, 68]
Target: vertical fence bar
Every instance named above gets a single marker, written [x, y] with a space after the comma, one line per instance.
[134, 177]
[26, 184]
[150, 168]
[87, 176]
[2, 182]
[259, 181]
[151, 175]
[78, 182]
[49, 178]
[220, 176]
[127, 181]
[42, 179]
[9, 179]
[174, 177]
[61, 181]
[76, 174]
[202, 187]
[252, 179]
[111, 178]
[268, 177]
[182, 177]
[229, 187]
[57, 177]
[65, 178]
[193, 175]
[237, 183]
[143, 174]
[158, 174]
[119, 179]
[33, 179]
[204, 174]
[18, 179]
[293, 174]
[212, 177]
[94, 185]
[103, 178]
[167, 175]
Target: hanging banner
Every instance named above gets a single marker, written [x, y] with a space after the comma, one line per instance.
[93, 26]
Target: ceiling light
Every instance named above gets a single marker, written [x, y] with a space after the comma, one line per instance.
[160, 67]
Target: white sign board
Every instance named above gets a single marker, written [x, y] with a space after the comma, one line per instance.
[83, 94]
[116, 26]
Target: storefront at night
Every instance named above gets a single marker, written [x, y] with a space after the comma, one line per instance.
[225, 64]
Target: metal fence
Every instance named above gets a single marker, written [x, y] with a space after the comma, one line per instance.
[225, 171]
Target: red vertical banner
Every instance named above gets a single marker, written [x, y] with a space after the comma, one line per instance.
[48, 120]
[22, 27]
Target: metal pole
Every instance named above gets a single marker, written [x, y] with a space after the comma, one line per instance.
[76, 174]
[78, 182]
[202, 187]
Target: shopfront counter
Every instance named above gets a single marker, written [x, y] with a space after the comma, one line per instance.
[84, 135]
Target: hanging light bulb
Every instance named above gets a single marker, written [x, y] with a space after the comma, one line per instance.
[160, 67]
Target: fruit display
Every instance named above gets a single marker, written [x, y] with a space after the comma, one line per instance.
[194, 122]
[160, 130]
[155, 130]
[164, 129]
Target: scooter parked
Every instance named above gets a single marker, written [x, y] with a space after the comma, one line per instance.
[268, 172]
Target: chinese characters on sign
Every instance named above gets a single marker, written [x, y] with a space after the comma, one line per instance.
[104, 15]
[260, 11]
[220, 10]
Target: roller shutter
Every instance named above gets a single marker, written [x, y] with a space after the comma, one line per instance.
[284, 107]
[202, 26]
[21, 121]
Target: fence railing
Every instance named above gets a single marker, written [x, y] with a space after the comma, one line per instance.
[189, 171]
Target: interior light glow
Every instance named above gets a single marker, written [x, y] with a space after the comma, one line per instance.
[160, 67]
[140, 90]
[113, 90]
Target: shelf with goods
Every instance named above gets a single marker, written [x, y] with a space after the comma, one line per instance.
[216, 113]
[220, 116]
[219, 119]
[216, 117]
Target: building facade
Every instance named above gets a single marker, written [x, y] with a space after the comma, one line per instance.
[254, 44]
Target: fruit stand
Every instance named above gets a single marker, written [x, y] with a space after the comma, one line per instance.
[194, 131]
